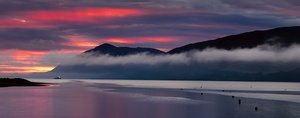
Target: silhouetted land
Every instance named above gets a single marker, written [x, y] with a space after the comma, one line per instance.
[7, 82]
[122, 51]
[283, 37]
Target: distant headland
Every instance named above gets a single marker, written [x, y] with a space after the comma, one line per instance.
[8, 82]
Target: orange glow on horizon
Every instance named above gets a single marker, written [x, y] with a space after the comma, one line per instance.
[25, 69]
[160, 39]
[39, 69]
[28, 60]
[21, 55]
[25, 62]
[80, 41]
[120, 40]
[81, 44]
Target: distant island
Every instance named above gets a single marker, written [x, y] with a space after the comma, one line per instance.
[7, 82]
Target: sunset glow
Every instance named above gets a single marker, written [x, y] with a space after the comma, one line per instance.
[20, 55]
[36, 37]
[119, 40]
[159, 39]
[80, 41]
[24, 62]
[24, 69]
[141, 40]
[82, 14]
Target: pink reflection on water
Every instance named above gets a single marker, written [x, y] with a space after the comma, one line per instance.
[73, 102]
[25, 102]
[41, 106]
[47, 102]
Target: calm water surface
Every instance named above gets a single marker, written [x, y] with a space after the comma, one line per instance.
[151, 99]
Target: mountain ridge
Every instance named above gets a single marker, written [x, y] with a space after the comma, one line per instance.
[284, 36]
[112, 50]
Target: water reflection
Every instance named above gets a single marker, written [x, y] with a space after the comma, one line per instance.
[47, 102]
[86, 100]
[72, 101]
[23, 101]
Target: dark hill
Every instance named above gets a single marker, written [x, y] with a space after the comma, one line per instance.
[284, 36]
[7, 82]
[122, 51]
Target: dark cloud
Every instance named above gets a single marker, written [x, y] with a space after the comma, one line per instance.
[9, 7]
[240, 20]
[293, 2]
[261, 5]
[31, 39]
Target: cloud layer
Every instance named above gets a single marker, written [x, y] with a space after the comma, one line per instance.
[262, 53]
[191, 65]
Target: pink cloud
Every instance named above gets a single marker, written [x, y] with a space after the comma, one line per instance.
[133, 40]
[82, 14]
[45, 18]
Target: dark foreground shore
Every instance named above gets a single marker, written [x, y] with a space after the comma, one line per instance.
[7, 82]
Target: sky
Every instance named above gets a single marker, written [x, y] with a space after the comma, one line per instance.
[35, 35]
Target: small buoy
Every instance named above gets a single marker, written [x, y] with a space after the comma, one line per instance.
[181, 89]
[223, 90]
[256, 108]
[232, 96]
[240, 101]
[201, 93]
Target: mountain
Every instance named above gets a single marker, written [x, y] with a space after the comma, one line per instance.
[122, 51]
[187, 67]
[284, 36]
